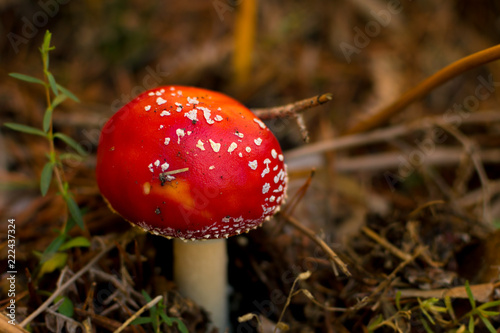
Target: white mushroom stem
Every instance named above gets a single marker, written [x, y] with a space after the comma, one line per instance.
[200, 272]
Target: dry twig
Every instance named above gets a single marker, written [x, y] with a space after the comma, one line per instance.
[148, 306]
[388, 246]
[388, 161]
[420, 90]
[386, 134]
[100, 320]
[292, 108]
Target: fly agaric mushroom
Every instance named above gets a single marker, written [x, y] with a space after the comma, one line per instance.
[192, 164]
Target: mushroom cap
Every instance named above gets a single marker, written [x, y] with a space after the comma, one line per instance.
[190, 163]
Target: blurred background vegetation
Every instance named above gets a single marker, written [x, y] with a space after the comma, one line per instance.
[365, 52]
[266, 53]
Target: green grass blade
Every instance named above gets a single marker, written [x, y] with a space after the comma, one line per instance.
[27, 78]
[52, 83]
[425, 312]
[68, 93]
[79, 241]
[47, 120]
[471, 324]
[25, 129]
[180, 325]
[155, 316]
[74, 211]
[488, 313]
[66, 308]
[488, 324]
[141, 321]
[57, 261]
[166, 319]
[426, 326]
[72, 143]
[53, 247]
[489, 305]
[58, 100]
[46, 177]
[146, 296]
[398, 300]
[374, 323]
[449, 307]
[71, 156]
[469, 294]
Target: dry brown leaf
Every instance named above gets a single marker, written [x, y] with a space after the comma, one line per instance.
[481, 292]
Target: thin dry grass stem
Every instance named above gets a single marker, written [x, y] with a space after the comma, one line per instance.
[302, 276]
[308, 294]
[100, 320]
[384, 243]
[321, 243]
[60, 280]
[114, 307]
[292, 108]
[426, 255]
[115, 281]
[458, 67]
[87, 325]
[384, 161]
[349, 141]
[124, 290]
[89, 299]
[121, 305]
[386, 134]
[472, 151]
[148, 306]
[249, 316]
[413, 214]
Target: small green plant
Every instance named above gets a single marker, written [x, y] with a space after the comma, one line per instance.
[54, 257]
[55, 94]
[158, 316]
[480, 312]
[431, 312]
[435, 314]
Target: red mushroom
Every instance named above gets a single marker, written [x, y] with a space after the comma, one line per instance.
[192, 164]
